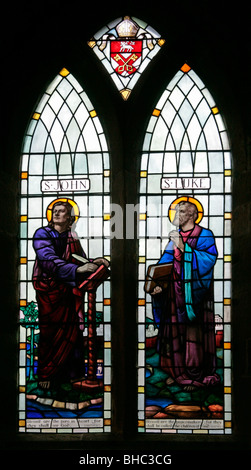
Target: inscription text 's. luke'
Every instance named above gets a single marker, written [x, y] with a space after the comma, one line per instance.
[185, 183]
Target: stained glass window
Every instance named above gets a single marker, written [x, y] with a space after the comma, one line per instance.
[184, 270]
[125, 47]
[65, 331]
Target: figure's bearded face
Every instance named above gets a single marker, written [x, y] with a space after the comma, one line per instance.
[182, 216]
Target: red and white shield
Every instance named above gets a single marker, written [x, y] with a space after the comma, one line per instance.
[126, 56]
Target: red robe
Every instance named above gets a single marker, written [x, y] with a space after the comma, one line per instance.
[60, 305]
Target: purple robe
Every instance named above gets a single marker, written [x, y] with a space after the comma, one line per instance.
[60, 305]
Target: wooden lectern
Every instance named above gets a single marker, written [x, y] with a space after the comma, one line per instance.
[90, 286]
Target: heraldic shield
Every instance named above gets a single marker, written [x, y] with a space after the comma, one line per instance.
[126, 56]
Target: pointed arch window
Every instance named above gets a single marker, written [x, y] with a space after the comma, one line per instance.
[65, 160]
[184, 331]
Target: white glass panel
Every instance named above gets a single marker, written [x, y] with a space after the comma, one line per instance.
[174, 81]
[176, 98]
[56, 101]
[80, 166]
[73, 101]
[80, 145]
[216, 205]
[170, 143]
[34, 206]
[203, 112]
[155, 163]
[201, 164]
[57, 135]
[186, 112]
[65, 164]
[196, 79]
[153, 227]
[201, 144]
[177, 131]
[220, 122]
[147, 141]
[50, 165]
[95, 206]
[96, 183]
[216, 183]
[103, 142]
[153, 206]
[25, 161]
[95, 163]
[64, 88]
[90, 137]
[163, 99]
[72, 134]
[153, 184]
[153, 248]
[42, 103]
[216, 225]
[228, 160]
[194, 130]
[151, 124]
[64, 116]
[48, 117]
[159, 135]
[208, 97]
[74, 83]
[39, 138]
[170, 165]
[215, 161]
[195, 96]
[212, 134]
[185, 143]
[185, 84]
[81, 115]
[53, 84]
[31, 127]
[97, 124]
[95, 230]
[36, 164]
[49, 146]
[185, 163]
[225, 140]
[34, 185]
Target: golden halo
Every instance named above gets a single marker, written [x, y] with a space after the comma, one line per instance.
[173, 205]
[71, 202]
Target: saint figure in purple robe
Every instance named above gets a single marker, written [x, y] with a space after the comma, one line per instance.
[184, 311]
[56, 276]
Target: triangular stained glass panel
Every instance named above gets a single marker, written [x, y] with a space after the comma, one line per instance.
[125, 47]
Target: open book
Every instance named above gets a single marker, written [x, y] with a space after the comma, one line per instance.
[157, 275]
[94, 279]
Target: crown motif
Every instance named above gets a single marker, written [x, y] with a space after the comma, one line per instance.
[127, 28]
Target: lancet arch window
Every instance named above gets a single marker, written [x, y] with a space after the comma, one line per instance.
[65, 160]
[184, 331]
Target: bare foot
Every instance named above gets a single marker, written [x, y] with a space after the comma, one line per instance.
[45, 384]
[189, 388]
[169, 381]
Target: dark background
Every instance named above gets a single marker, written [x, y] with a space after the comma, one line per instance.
[37, 41]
